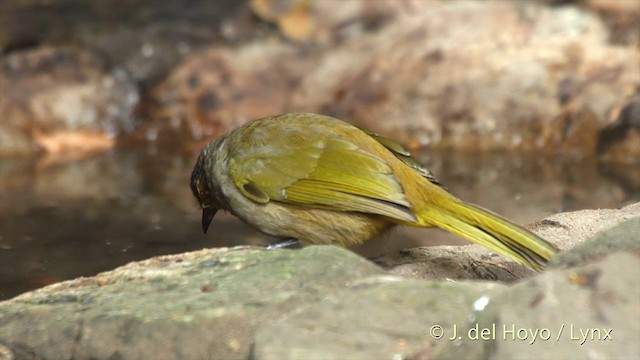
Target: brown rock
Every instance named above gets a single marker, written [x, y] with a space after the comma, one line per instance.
[318, 21]
[73, 141]
[621, 17]
[521, 76]
[486, 89]
[620, 141]
[62, 98]
[572, 132]
[619, 146]
[221, 88]
[138, 36]
[293, 17]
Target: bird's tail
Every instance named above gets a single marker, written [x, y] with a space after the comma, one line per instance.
[490, 230]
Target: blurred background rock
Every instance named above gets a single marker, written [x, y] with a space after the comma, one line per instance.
[525, 107]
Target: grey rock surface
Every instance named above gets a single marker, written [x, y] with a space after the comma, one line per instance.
[568, 229]
[205, 304]
[327, 302]
[376, 318]
[586, 312]
[623, 237]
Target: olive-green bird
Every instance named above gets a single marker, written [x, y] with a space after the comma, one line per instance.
[319, 180]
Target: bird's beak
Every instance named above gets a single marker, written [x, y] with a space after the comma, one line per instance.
[207, 217]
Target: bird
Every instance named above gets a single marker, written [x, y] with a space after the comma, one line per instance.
[308, 178]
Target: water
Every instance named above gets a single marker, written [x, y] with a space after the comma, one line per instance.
[61, 218]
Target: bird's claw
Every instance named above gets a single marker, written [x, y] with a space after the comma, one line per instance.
[283, 244]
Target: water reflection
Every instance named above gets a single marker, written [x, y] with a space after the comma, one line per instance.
[64, 218]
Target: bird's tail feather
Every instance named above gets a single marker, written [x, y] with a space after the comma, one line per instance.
[492, 231]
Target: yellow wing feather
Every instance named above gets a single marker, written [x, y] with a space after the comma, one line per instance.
[329, 173]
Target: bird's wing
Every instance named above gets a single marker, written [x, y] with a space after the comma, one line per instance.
[405, 156]
[319, 172]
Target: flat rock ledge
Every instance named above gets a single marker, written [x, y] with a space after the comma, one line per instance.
[323, 302]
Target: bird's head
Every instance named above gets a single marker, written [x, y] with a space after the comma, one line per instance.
[201, 190]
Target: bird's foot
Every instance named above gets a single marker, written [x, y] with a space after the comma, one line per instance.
[283, 244]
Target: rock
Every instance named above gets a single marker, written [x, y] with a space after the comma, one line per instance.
[468, 262]
[563, 313]
[136, 36]
[567, 230]
[622, 237]
[526, 77]
[376, 318]
[185, 306]
[63, 100]
[619, 145]
[621, 17]
[318, 22]
[602, 284]
[215, 90]
[620, 140]
[521, 76]
[293, 17]
[326, 302]
[575, 132]
[495, 87]
[368, 328]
